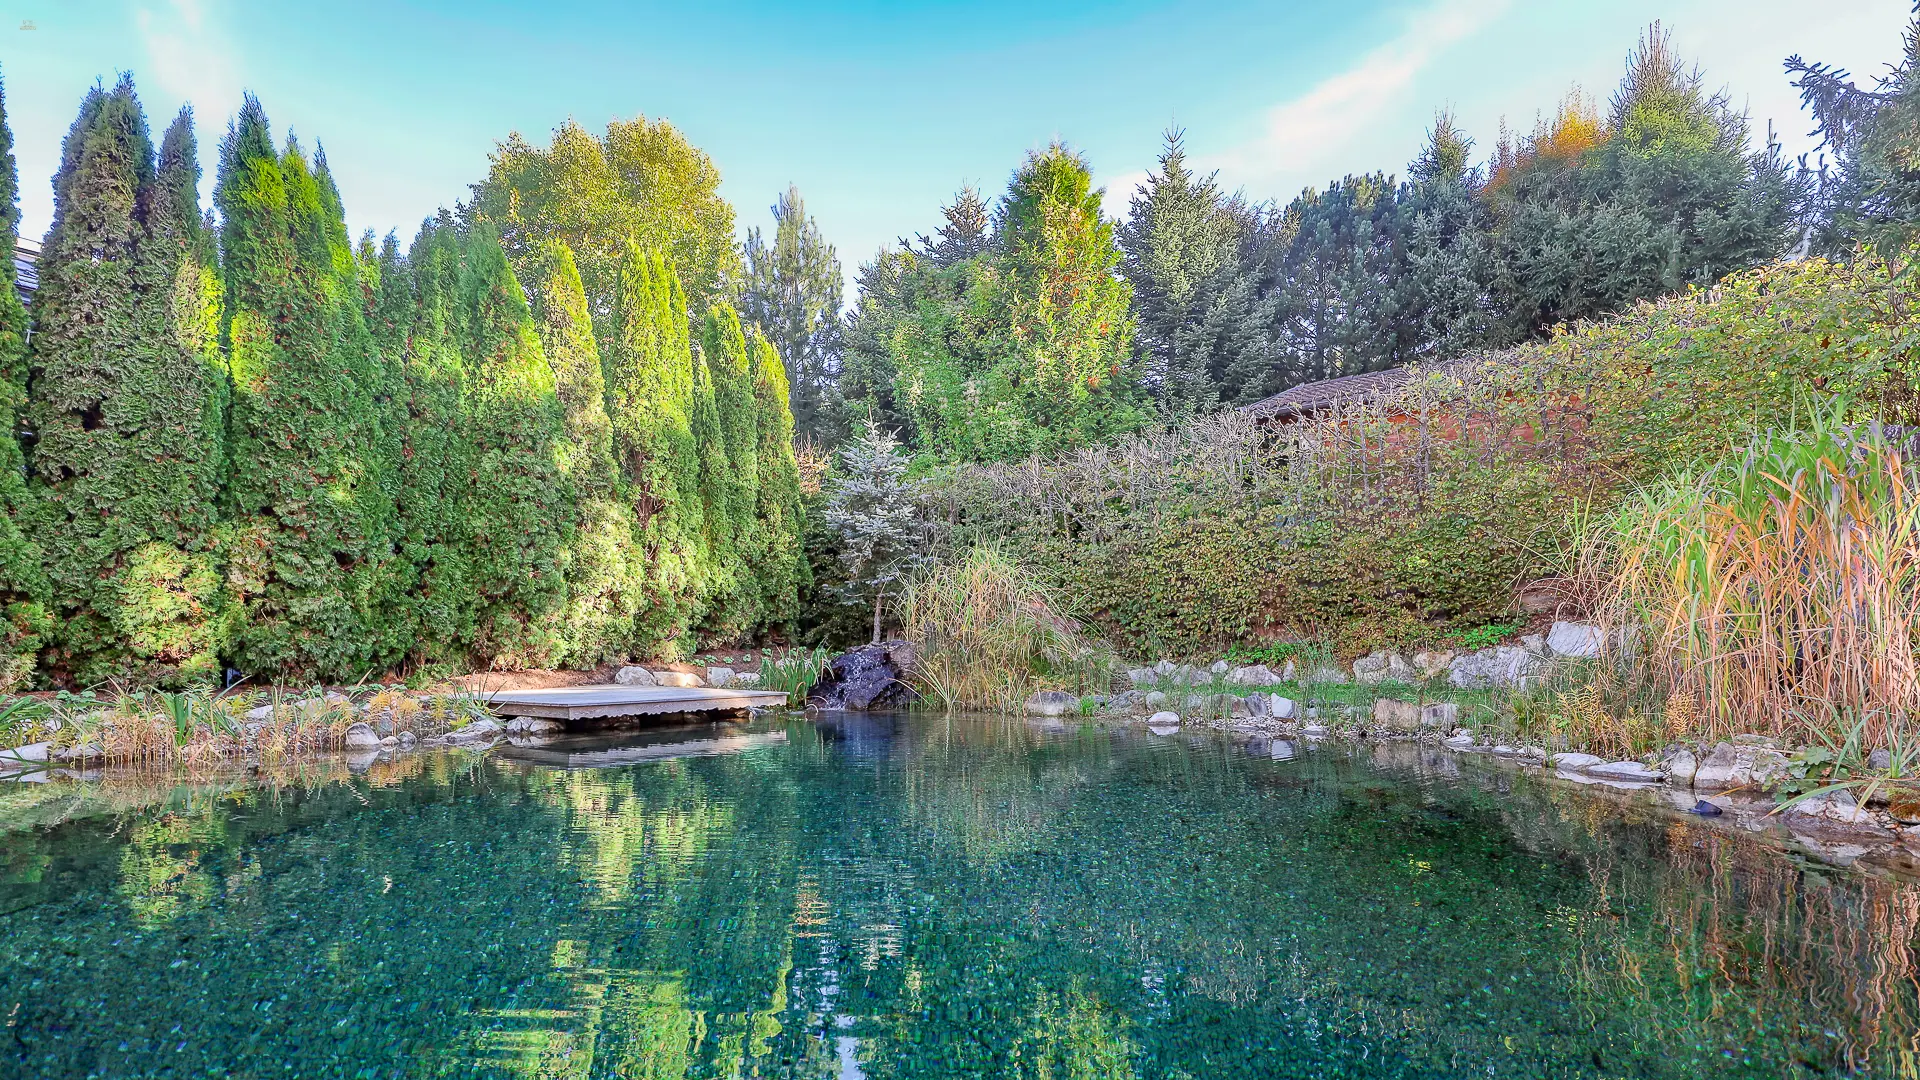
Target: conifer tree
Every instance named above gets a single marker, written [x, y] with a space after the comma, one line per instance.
[779, 517]
[966, 235]
[436, 609]
[127, 406]
[22, 585]
[1186, 244]
[601, 559]
[723, 344]
[519, 514]
[651, 405]
[792, 293]
[314, 524]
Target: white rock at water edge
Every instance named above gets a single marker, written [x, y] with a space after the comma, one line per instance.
[533, 725]
[1625, 770]
[634, 676]
[1052, 703]
[1575, 762]
[1835, 806]
[361, 737]
[1164, 719]
[682, 679]
[484, 728]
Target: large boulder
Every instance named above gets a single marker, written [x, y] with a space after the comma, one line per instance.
[361, 737]
[635, 676]
[683, 679]
[1256, 675]
[871, 677]
[1729, 766]
[1473, 671]
[1579, 641]
[1400, 716]
[1052, 703]
[721, 677]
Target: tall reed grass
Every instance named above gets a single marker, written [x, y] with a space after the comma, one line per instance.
[1768, 593]
[988, 634]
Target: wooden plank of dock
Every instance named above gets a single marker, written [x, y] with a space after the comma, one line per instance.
[592, 702]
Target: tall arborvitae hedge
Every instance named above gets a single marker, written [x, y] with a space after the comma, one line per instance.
[310, 459]
[602, 563]
[653, 405]
[780, 523]
[126, 405]
[520, 504]
[734, 608]
[314, 528]
[436, 609]
[22, 586]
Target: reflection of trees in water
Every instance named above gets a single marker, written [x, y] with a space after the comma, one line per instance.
[1747, 939]
[1699, 938]
[974, 900]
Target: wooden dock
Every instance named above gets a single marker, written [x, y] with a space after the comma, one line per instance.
[599, 702]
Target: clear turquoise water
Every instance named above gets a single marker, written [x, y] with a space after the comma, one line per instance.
[924, 898]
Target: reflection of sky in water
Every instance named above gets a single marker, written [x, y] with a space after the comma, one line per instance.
[884, 898]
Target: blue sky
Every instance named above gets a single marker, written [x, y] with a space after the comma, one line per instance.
[879, 111]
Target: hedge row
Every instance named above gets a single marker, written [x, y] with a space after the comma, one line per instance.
[256, 444]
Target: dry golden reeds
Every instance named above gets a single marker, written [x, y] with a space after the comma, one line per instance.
[1775, 593]
[988, 634]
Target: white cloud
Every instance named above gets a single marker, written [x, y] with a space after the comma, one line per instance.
[1312, 132]
[189, 56]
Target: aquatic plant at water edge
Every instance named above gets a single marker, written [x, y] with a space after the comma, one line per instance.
[1776, 584]
[989, 633]
[793, 673]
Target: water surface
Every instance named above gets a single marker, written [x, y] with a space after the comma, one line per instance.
[920, 897]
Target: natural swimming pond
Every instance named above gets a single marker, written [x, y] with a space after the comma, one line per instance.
[922, 897]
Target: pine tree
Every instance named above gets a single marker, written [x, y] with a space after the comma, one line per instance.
[792, 293]
[519, 514]
[313, 531]
[723, 345]
[651, 405]
[602, 559]
[22, 584]
[126, 404]
[436, 609]
[779, 516]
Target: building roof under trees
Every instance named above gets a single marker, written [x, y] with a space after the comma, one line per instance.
[1368, 387]
[26, 267]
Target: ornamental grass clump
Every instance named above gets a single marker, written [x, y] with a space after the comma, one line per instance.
[1773, 589]
[988, 634]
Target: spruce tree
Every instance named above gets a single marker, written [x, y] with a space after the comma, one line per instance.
[436, 609]
[22, 584]
[313, 531]
[723, 344]
[127, 404]
[1185, 244]
[602, 559]
[779, 516]
[519, 513]
[792, 293]
[652, 405]
[966, 235]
